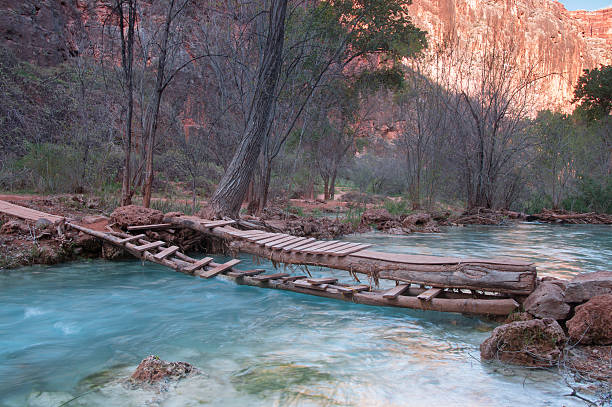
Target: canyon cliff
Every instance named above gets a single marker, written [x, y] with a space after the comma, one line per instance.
[49, 32]
[563, 42]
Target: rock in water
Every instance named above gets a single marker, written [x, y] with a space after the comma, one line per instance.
[134, 215]
[547, 301]
[153, 370]
[538, 342]
[585, 286]
[592, 322]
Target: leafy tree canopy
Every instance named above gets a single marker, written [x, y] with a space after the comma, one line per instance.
[594, 92]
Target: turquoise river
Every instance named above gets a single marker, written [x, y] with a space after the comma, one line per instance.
[76, 331]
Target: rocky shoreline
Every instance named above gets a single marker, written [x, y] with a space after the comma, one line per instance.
[565, 325]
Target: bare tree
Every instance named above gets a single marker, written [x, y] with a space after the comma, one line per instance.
[127, 64]
[489, 99]
[230, 193]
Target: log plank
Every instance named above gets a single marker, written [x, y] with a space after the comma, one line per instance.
[166, 252]
[198, 264]
[429, 294]
[218, 269]
[150, 227]
[149, 246]
[395, 291]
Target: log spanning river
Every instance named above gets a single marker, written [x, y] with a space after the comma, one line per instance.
[74, 331]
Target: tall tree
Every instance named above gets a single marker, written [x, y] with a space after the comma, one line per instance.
[594, 92]
[127, 23]
[230, 193]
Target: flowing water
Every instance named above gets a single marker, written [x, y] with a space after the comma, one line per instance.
[75, 331]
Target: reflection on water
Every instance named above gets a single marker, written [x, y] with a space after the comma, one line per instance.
[79, 329]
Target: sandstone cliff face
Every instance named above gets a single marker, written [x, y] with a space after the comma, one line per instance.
[563, 42]
[49, 32]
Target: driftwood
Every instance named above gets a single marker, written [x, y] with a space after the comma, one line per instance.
[495, 276]
[562, 216]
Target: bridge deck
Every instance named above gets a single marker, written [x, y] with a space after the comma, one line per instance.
[445, 275]
[27, 213]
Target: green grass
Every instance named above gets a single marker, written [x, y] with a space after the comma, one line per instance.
[399, 207]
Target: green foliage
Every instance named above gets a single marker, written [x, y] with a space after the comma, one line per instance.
[592, 196]
[379, 26]
[389, 78]
[399, 207]
[51, 167]
[594, 92]
[536, 203]
[354, 214]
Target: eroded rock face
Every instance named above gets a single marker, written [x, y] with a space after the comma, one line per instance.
[541, 30]
[538, 342]
[585, 286]
[592, 322]
[547, 301]
[153, 370]
[134, 215]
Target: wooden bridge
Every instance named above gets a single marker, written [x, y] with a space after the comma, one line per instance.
[475, 286]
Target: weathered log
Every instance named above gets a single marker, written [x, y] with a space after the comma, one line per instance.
[494, 306]
[510, 277]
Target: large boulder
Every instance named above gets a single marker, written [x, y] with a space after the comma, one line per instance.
[538, 342]
[416, 219]
[585, 286]
[153, 370]
[547, 301]
[134, 215]
[592, 322]
[376, 217]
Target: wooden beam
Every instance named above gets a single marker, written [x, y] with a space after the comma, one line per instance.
[286, 243]
[198, 264]
[218, 269]
[149, 227]
[306, 284]
[166, 252]
[149, 246]
[336, 246]
[271, 239]
[293, 278]
[266, 277]
[302, 249]
[245, 273]
[317, 249]
[217, 223]
[395, 291]
[349, 289]
[514, 279]
[318, 281]
[280, 241]
[259, 239]
[131, 239]
[298, 244]
[344, 252]
[429, 294]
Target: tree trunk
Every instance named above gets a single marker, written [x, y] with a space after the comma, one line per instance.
[332, 185]
[159, 89]
[230, 193]
[325, 187]
[127, 61]
[264, 187]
